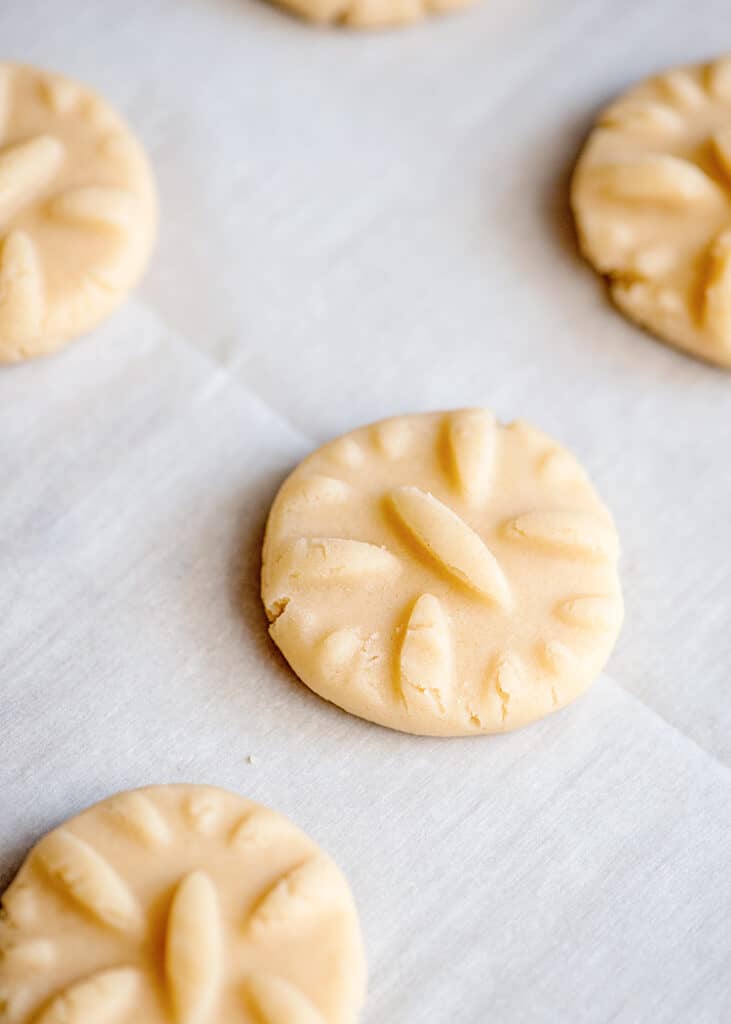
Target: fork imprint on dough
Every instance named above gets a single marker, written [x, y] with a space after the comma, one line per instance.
[340, 647]
[59, 93]
[317, 489]
[33, 955]
[721, 143]
[590, 611]
[352, 656]
[140, 817]
[656, 180]
[347, 453]
[458, 550]
[219, 910]
[85, 211]
[646, 118]
[556, 656]
[683, 90]
[274, 1001]
[204, 809]
[26, 171]
[21, 907]
[324, 560]
[94, 206]
[398, 601]
[567, 533]
[262, 828]
[717, 290]
[425, 665]
[295, 895]
[472, 441]
[393, 437]
[105, 998]
[651, 195]
[194, 949]
[718, 77]
[89, 879]
[21, 288]
[508, 677]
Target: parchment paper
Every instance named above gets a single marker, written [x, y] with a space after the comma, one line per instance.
[356, 225]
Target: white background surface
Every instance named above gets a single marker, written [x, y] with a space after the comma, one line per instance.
[353, 226]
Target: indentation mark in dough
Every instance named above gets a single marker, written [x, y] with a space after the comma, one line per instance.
[656, 179]
[104, 998]
[21, 289]
[425, 662]
[472, 436]
[26, 170]
[564, 533]
[451, 543]
[90, 880]
[194, 949]
[96, 207]
[140, 817]
[274, 1001]
[294, 895]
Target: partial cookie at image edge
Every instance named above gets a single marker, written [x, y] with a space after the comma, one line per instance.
[369, 14]
[651, 198]
[179, 903]
[78, 212]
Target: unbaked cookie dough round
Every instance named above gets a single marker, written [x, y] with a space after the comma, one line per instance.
[78, 211]
[651, 194]
[179, 905]
[369, 13]
[443, 574]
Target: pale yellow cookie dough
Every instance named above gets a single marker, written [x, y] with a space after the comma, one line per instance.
[443, 574]
[179, 905]
[369, 13]
[78, 211]
[651, 194]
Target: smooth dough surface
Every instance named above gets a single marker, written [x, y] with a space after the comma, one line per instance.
[78, 211]
[651, 195]
[369, 13]
[179, 905]
[443, 574]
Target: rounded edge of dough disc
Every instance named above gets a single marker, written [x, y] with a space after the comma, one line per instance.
[651, 201]
[78, 211]
[442, 574]
[179, 904]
